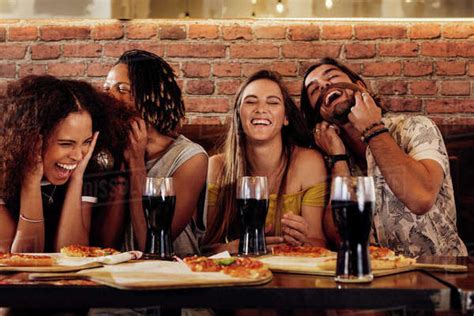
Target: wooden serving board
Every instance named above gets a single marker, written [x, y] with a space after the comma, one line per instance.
[69, 266]
[305, 265]
[154, 275]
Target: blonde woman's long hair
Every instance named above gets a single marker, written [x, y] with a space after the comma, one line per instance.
[224, 223]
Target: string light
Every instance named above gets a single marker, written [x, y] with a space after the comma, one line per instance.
[329, 4]
[280, 7]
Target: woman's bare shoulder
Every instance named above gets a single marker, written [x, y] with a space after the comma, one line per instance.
[309, 164]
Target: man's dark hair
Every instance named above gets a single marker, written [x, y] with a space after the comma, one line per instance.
[312, 115]
[157, 95]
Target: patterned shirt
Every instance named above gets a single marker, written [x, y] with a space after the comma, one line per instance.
[395, 226]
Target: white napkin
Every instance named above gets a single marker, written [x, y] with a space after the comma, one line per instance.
[221, 255]
[119, 258]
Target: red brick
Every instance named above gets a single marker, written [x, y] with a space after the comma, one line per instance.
[465, 49]
[7, 70]
[263, 50]
[336, 32]
[450, 68]
[3, 87]
[310, 50]
[454, 105]
[236, 32]
[425, 31]
[45, 51]
[2, 34]
[206, 104]
[456, 88]
[203, 120]
[396, 87]
[250, 69]
[288, 69]
[454, 121]
[200, 87]
[226, 70]
[98, 69]
[399, 49]
[198, 31]
[82, 50]
[368, 32]
[172, 32]
[196, 70]
[270, 32]
[22, 33]
[461, 30]
[293, 86]
[196, 50]
[115, 50]
[32, 69]
[107, 31]
[12, 51]
[377, 69]
[439, 49]
[417, 68]
[228, 87]
[141, 31]
[66, 70]
[424, 87]
[303, 32]
[402, 105]
[360, 50]
[471, 69]
[57, 33]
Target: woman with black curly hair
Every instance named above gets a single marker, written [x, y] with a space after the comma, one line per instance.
[145, 82]
[50, 128]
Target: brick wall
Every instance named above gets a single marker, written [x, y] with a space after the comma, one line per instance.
[424, 67]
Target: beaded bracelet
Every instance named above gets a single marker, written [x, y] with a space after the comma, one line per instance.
[29, 220]
[364, 132]
[367, 138]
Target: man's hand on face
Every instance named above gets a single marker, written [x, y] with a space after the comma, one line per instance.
[326, 136]
[365, 112]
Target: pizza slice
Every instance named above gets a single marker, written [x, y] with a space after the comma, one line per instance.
[238, 267]
[86, 251]
[301, 251]
[26, 260]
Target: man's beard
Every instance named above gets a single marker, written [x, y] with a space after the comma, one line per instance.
[340, 114]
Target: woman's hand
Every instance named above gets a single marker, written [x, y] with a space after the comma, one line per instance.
[134, 154]
[295, 229]
[78, 173]
[36, 174]
[326, 137]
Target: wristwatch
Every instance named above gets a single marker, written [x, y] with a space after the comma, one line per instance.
[332, 159]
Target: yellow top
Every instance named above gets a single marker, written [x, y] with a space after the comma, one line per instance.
[291, 203]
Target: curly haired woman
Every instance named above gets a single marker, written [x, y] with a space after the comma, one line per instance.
[267, 137]
[145, 82]
[50, 128]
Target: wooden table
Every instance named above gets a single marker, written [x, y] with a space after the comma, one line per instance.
[415, 290]
[462, 284]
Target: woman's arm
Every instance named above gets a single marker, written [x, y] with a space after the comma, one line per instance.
[189, 180]
[7, 229]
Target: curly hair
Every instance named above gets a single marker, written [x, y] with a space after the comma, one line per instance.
[155, 90]
[33, 108]
[223, 223]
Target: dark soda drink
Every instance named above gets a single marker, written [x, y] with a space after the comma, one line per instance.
[353, 223]
[159, 213]
[253, 213]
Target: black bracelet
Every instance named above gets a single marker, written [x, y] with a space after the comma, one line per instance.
[366, 139]
[372, 126]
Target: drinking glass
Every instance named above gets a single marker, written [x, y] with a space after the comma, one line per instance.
[158, 202]
[352, 203]
[252, 204]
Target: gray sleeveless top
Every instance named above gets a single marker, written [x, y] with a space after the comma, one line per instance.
[180, 151]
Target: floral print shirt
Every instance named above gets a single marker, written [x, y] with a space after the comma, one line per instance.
[395, 226]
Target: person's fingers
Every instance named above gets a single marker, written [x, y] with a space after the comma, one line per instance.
[335, 128]
[142, 125]
[268, 228]
[271, 240]
[292, 240]
[134, 129]
[359, 101]
[368, 100]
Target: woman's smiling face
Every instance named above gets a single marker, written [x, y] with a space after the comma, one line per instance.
[66, 147]
[262, 110]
